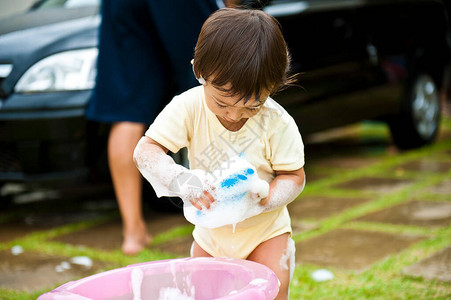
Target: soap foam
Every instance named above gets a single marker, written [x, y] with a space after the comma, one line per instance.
[82, 260]
[156, 166]
[237, 191]
[16, 250]
[172, 293]
[283, 192]
[136, 281]
[287, 260]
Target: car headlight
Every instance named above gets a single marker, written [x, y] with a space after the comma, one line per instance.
[65, 71]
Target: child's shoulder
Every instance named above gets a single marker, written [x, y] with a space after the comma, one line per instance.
[195, 92]
[189, 98]
[275, 112]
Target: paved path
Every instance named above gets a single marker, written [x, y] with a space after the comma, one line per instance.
[369, 214]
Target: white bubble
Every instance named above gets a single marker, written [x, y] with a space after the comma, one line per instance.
[59, 269]
[16, 250]
[322, 275]
[65, 265]
[82, 260]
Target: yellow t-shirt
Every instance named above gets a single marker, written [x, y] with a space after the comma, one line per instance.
[270, 141]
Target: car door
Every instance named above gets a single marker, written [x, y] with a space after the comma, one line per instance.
[336, 60]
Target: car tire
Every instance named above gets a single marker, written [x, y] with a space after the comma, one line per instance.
[418, 122]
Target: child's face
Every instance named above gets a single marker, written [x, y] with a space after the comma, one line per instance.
[231, 109]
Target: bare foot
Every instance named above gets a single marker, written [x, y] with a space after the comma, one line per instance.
[135, 243]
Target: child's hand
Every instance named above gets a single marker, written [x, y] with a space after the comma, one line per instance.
[259, 191]
[195, 188]
[205, 200]
[264, 201]
[234, 195]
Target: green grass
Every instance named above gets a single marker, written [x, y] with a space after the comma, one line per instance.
[382, 280]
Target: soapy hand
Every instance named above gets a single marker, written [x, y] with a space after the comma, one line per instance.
[194, 187]
[234, 187]
[170, 179]
[258, 191]
[236, 193]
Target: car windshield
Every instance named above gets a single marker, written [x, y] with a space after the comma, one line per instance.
[65, 3]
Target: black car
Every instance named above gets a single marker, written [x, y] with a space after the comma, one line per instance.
[357, 60]
[370, 59]
[47, 70]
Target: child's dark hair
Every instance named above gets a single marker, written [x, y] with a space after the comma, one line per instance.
[245, 49]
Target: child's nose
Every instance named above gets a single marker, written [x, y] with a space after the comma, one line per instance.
[235, 114]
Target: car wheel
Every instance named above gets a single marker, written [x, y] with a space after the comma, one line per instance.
[418, 122]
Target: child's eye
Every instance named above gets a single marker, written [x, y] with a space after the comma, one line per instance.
[221, 106]
[253, 108]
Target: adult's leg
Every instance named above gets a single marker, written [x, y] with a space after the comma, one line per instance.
[127, 184]
[130, 89]
[275, 254]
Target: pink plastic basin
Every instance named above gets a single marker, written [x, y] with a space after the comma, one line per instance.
[197, 278]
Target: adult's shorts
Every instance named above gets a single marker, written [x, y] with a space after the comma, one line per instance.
[145, 48]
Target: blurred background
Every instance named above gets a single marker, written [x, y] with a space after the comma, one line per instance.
[10, 7]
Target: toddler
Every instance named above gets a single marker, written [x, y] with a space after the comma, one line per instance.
[240, 59]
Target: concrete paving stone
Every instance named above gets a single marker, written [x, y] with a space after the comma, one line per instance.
[33, 271]
[375, 184]
[321, 207]
[108, 236]
[37, 221]
[426, 165]
[444, 135]
[442, 188]
[351, 249]
[312, 177]
[16, 229]
[435, 267]
[20, 219]
[346, 162]
[299, 226]
[446, 105]
[180, 247]
[416, 213]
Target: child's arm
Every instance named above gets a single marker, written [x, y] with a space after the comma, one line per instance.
[285, 187]
[162, 172]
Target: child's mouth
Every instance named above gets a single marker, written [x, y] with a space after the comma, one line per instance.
[231, 120]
